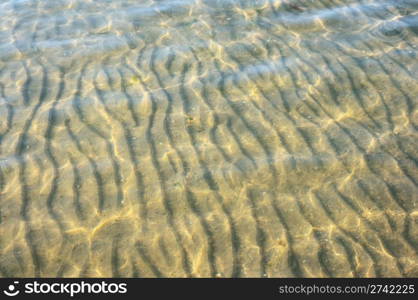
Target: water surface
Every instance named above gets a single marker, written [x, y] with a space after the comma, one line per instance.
[208, 138]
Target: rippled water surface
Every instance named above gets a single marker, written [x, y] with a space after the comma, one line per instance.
[208, 138]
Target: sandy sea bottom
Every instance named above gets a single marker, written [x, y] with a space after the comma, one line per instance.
[208, 138]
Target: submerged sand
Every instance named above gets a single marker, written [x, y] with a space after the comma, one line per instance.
[208, 138]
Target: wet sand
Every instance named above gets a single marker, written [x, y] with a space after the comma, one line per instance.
[208, 138]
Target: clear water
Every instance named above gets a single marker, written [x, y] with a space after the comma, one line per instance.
[208, 138]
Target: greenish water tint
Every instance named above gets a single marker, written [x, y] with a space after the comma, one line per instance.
[208, 138]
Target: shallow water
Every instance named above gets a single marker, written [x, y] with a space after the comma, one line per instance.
[208, 138]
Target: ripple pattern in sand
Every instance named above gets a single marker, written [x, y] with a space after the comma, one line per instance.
[203, 138]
